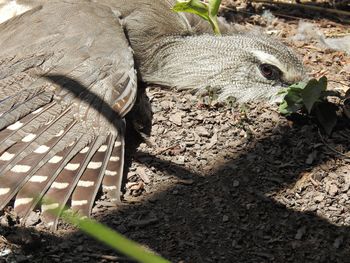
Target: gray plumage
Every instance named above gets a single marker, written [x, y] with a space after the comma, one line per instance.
[171, 50]
[68, 77]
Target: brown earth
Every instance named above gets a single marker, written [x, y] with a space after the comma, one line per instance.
[226, 183]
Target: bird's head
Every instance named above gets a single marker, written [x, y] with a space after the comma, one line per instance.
[255, 67]
[245, 66]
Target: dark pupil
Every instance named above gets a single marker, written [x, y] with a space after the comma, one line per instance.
[266, 70]
[270, 71]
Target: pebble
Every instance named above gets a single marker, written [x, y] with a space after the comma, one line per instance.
[235, 183]
[180, 160]
[318, 198]
[176, 118]
[201, 131]
[333, 189]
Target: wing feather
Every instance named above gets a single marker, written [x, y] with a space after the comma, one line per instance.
[64, 88]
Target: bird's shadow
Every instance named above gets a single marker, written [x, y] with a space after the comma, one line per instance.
[226, 216]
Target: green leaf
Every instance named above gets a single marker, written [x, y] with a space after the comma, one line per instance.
[283, 108]
[298, 85]
[192, 6]
[214, 6]
[206, 11]
[312, 92]
[292, 102]
[283, 91]
[323, 83]
[326, 115]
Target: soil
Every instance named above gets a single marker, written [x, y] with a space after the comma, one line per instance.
[226, 183]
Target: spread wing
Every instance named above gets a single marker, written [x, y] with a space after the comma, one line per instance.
[67, 79]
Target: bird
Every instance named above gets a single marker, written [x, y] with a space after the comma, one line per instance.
[71, 71]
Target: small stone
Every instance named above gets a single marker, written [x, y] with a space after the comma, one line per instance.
[199, 116]
[318, 198]
[201, 131]
[166, 105]
[4, 221]
[80, 248]
[338, 242]
[243, 133]
[311, 157]
[185, 182]
[300, 233]
[344, 197]
[160, 130]
[235, 183]
[141, 171]
[180, 160]
[122, 229]
[176, 118]
[32, 219]
[225, 218]
[160, 119]
[333, 190]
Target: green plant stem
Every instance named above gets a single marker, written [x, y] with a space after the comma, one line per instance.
[214, 6]
[113, 239]
[215, 24]
[106, 235]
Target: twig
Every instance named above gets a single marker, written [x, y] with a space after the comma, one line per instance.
[331, 148]
[252, 13]
[316, 8]
[160, 151]
[4, 240]
[110, 258]
[339, 82]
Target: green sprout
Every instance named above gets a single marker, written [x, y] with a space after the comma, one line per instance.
[312, 97]
[207, 11]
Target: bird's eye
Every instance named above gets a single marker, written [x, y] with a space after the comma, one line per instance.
[270, 72]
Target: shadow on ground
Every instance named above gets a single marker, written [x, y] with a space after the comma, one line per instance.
[226, 214]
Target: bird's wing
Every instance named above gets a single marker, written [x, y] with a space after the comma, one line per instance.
[67, 79]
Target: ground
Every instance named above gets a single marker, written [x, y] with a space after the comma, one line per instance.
[223, 183]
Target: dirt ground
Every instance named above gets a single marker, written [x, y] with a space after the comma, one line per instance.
[224, 183]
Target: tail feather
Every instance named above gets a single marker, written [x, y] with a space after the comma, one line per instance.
[114, 172]
[38, 183]
[39, 150]
[84, 194]
[62, 188]
[19, 172]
